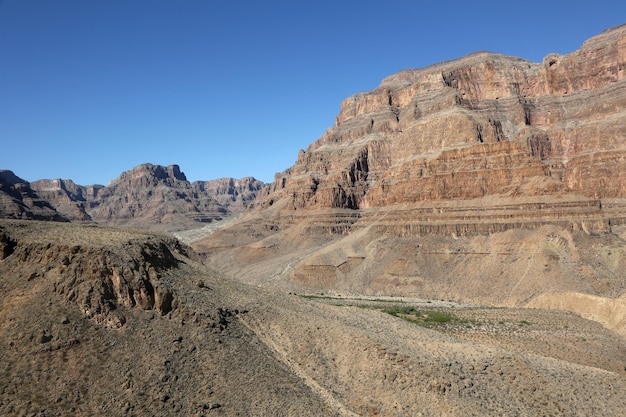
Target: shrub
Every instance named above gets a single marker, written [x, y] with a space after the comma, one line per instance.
[425, 318]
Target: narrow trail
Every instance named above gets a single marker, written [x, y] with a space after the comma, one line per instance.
[530, 263]
[333, 403]
[289, 268]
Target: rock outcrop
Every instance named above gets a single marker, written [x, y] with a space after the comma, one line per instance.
[19, 201]
[98, 278]
[69, 199]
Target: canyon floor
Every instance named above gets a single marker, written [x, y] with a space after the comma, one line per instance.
[107, 321]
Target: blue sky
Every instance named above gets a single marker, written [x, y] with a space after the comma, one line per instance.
[92, 88]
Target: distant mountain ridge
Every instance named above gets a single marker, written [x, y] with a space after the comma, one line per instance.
[19, 201]
[147, 196]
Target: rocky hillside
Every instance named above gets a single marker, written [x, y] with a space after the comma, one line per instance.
[153, 196]
[111, 321]
[19, 201]
[486, 179]
[100, 321]
[68, 198]
[148, 196]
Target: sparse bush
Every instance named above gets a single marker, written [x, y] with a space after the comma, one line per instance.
[438, 317]
[425, 318]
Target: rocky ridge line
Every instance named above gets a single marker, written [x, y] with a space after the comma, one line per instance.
[479, 126]
[148, 196]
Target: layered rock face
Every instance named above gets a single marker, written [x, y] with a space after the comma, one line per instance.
[479, 126]
[19, 201]
[68, 198]
[234, 194]
[488, 179]
[150, 196]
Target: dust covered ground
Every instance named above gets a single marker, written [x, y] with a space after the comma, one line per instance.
[105, 321]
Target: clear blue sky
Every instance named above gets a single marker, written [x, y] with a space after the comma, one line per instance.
[92, 88]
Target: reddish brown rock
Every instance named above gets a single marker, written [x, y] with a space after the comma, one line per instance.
[19, 201]
[150, 196]
[487, 179]
[68, 198]
[478, 126]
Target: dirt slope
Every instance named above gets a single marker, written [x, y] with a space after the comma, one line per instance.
[101, 321]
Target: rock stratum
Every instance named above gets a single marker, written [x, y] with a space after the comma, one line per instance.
[487, 179]
[97, 320]
[148, 196]
[19, 201]
[483, 125]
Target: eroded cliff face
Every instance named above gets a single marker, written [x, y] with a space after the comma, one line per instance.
[149, 196]
[153, 196]
[19, 201]
[67, 197]
[487, 179]
[99, 280]
[479, 126]
[234, 194]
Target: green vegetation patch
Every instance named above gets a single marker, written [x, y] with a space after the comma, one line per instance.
[431, 317]
[421, 317]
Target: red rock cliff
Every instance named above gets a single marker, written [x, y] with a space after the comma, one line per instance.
[482, 125]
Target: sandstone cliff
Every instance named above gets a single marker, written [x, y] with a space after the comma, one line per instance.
[482, 125]
[488, 179]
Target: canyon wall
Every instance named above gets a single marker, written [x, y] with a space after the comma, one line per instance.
[147, 196]
[482, 125]
[486, 179]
